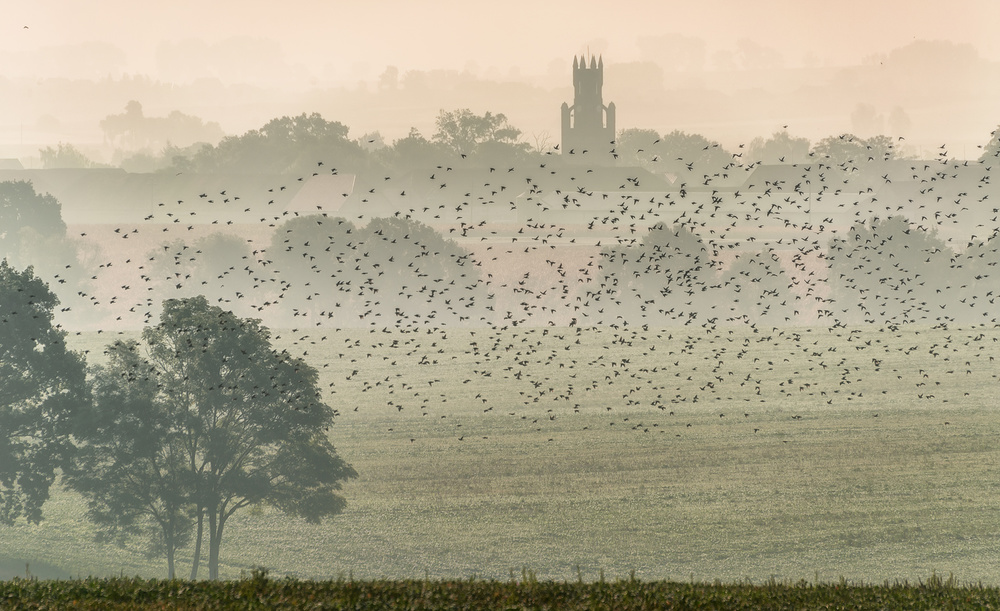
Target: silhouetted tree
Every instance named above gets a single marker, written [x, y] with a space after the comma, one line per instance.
[683, 153]
[125, 128]
[21, 207]
[65, 156]
[636, 146]
[850, 153]
[676, 152]
[758, 289]
[665, 277]
[42, 385]
[991, 150]
[132, 466]
[887, 272]
[845, 151]
[779, 148]
[219, 266]
[32, 232]
[415, 276]
[132, 130]
[287, 145]
[313, 256]
[414, 151]
[490, 135]
[250, 422]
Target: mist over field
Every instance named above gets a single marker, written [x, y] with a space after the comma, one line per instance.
[709, 296]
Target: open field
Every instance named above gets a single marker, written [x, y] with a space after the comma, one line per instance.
[676, 453]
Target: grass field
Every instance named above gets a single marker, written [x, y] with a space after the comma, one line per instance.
[677, 454]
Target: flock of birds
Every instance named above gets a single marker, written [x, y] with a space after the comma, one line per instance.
[540, 292]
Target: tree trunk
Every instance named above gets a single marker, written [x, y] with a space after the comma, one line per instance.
[197, 544]
[214, 543]
[213, 547]
[170, 558]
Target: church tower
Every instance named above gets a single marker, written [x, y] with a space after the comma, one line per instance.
[588, 125]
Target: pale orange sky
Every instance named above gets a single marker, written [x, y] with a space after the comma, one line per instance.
[299, 53]
[350, 40]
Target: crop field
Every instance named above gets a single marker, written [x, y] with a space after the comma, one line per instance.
[257, 591]
[684, 454]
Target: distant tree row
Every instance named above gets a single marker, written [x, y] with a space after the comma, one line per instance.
[669, 277]
[678, 152]
[390, 271]
[396, 271]
[296, 145]
[32, 232]
[293, 145]
[883, 271]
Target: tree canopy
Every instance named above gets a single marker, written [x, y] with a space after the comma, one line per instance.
[283, 145]
[490, 135]
[42, 384]
[849, 152]
[676, 152]
[22, 208]
[223, 421]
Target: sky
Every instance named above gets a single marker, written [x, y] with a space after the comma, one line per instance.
[345, 40]
[297, 47]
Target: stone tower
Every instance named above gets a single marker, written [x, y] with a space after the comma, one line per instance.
[588, 125]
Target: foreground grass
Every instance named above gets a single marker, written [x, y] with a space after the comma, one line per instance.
[819, 453]
[259, 592]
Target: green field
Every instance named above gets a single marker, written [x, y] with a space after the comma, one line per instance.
[677, 454]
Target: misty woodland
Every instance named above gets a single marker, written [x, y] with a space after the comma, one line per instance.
[473, 350]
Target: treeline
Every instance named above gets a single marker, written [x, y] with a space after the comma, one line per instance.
[389, 272]
[293, 144]
[883, 271]
[399, 272]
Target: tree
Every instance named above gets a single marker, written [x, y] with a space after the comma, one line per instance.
[638, 146]
[665, 277]
[219, 266]
[991, 150]
[131, 467]
[126, 128]
[316, 261]
[779, 148]
[132, 130]
[285, 145]
[415, 276]
[42, 384]
[845, 151]
[849, 152]
[759, 289]
[20, 208]
[683, 153]
[887, 272]
[65, 156]
[32, 232]
[235, 424]
[412, 152]
[465, 133]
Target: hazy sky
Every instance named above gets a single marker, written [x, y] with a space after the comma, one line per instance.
[299, 53]
[357, 39]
